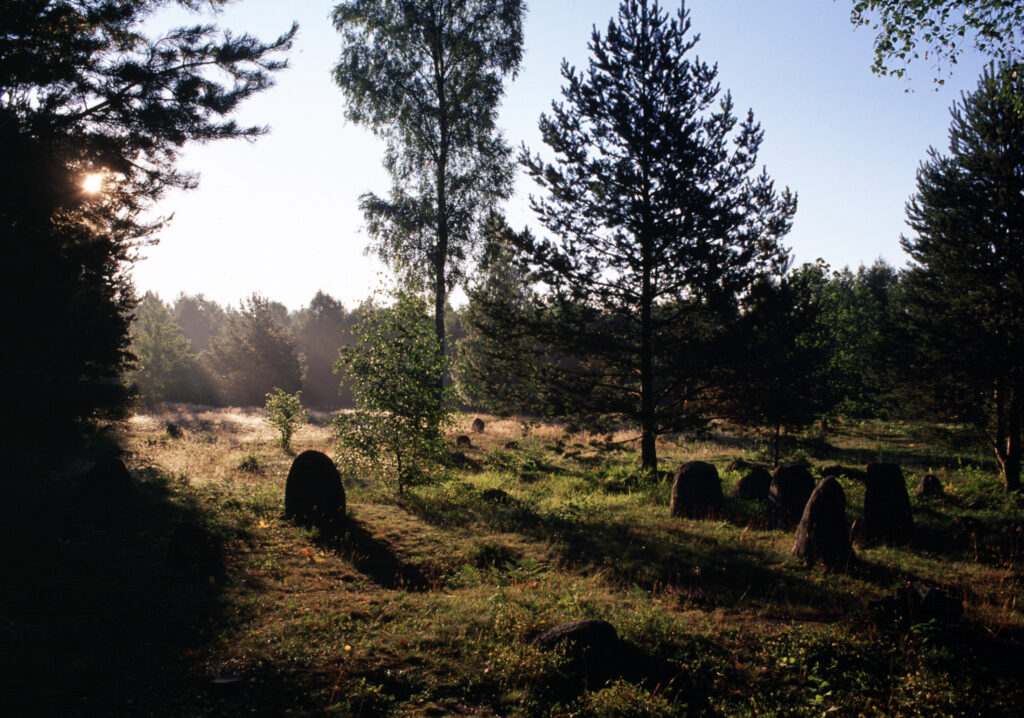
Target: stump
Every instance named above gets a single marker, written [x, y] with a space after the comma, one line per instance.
[478, 425]
[791, 487]
[313, 493]
[463, 442]
[696, 490]
[930, 487]
[823, 533]
[887, 513]
[195, 552]
[754, 486]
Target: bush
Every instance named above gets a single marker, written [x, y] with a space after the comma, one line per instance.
[401, 410]
[284, 412]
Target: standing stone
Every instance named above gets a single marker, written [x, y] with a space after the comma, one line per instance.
[754, 486]
[823, 534]
[478, 425]
[313, 493]
[930, 487]
[696, 491]
[107, 486]
[887, 513]
[791, 487]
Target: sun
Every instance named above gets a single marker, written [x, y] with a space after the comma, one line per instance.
[93, 183]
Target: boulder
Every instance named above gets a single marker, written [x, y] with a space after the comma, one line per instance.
[887, 513]
[591, 645]
[836, 470]
[313, 493]
[929, 487]
[754, 486]
[496, 496]
[195, 552]
[463, 442]
[696, 490]
[459, 460]
[918, 602]
[823, 533]
[478, 425]
[790, 489]
[106, 485]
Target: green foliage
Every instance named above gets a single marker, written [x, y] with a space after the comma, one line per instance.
[911, 30]
[84, 91]
[165, 367]
[660, 220]
[781, 376]
[321, 329]
[962, 300]
[254, 353]
[427, 78]
[400, 411]
[284, 412]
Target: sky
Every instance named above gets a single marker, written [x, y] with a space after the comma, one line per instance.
[280, 216]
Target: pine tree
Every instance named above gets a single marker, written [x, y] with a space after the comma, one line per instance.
[93, 116]
[254, 355]
[165, 367]
[963, 296]
[659, 219]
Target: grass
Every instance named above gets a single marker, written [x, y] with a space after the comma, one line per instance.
[427, 604]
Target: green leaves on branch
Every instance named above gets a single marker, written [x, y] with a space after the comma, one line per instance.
[400, 409]
[938, 31]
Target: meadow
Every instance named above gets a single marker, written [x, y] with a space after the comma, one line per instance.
[428, 603]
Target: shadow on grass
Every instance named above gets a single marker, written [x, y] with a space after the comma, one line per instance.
[702, 566]
[372, 557]
[93, 621]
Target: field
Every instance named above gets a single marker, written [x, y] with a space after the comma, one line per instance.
[427, 603]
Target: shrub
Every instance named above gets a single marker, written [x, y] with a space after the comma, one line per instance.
[284, 412]
[401, 409]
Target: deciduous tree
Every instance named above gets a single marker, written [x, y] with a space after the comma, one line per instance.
[426, 76]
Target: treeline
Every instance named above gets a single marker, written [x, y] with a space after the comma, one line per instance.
[798, 349]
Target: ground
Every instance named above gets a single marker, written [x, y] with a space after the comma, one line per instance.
[426, 603]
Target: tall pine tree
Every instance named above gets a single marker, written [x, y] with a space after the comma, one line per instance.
[93, 115]
[659, 218]
[963, 296]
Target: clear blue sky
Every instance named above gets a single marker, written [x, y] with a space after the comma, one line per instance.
[280, 216]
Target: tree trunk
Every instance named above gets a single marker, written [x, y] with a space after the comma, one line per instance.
[648, 425]
[441, 256]
[1007, 435]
